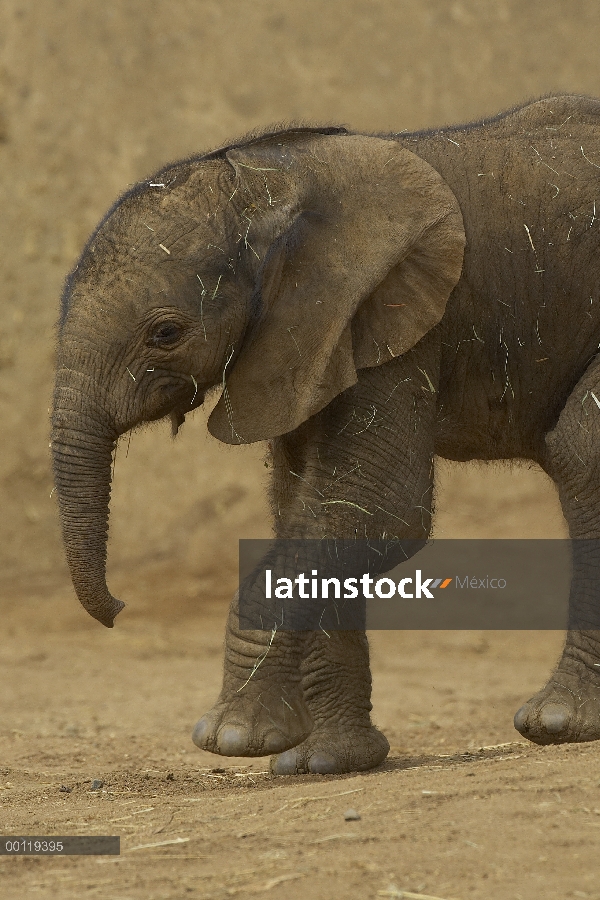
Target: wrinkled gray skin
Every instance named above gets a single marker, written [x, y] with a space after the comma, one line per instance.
[320, 277]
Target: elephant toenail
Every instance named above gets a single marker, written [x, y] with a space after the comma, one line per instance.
[232, 740]
[200, 733]
[521, 719]
[275, 742]
[322, 764]
[285, 763]
[554, 717]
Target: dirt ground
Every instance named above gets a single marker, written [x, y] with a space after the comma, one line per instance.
[93, 97]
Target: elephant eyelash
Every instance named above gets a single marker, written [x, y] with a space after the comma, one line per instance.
[171, 333]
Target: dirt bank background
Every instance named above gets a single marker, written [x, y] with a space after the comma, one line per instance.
[93, 97]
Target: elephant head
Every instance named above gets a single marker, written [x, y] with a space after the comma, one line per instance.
[273, 269]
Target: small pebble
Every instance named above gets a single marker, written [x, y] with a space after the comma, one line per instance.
[170, 776]
[65, 789]
[97, 783]
[351, 816]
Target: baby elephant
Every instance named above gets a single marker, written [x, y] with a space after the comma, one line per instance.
[363, 303]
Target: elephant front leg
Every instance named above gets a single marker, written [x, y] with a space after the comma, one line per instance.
[261, 709]
[337, 690]
[567, 709]
[361, 469]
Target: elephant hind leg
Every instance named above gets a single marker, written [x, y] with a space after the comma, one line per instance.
[567, 709]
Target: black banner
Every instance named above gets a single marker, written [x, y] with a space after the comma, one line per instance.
[308, 585]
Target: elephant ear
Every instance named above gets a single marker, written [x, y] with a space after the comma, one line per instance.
[360, 245]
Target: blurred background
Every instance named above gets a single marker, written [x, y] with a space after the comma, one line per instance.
[94, 96]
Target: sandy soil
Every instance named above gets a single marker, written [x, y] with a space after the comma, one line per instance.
[92, 97]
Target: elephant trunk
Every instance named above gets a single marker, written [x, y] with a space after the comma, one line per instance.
[83, 440]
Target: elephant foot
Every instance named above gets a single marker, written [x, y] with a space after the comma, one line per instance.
[567, 710]
[255, 723]
[261, 708]
[333, 752]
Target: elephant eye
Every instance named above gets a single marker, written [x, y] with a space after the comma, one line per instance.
[166, 334]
